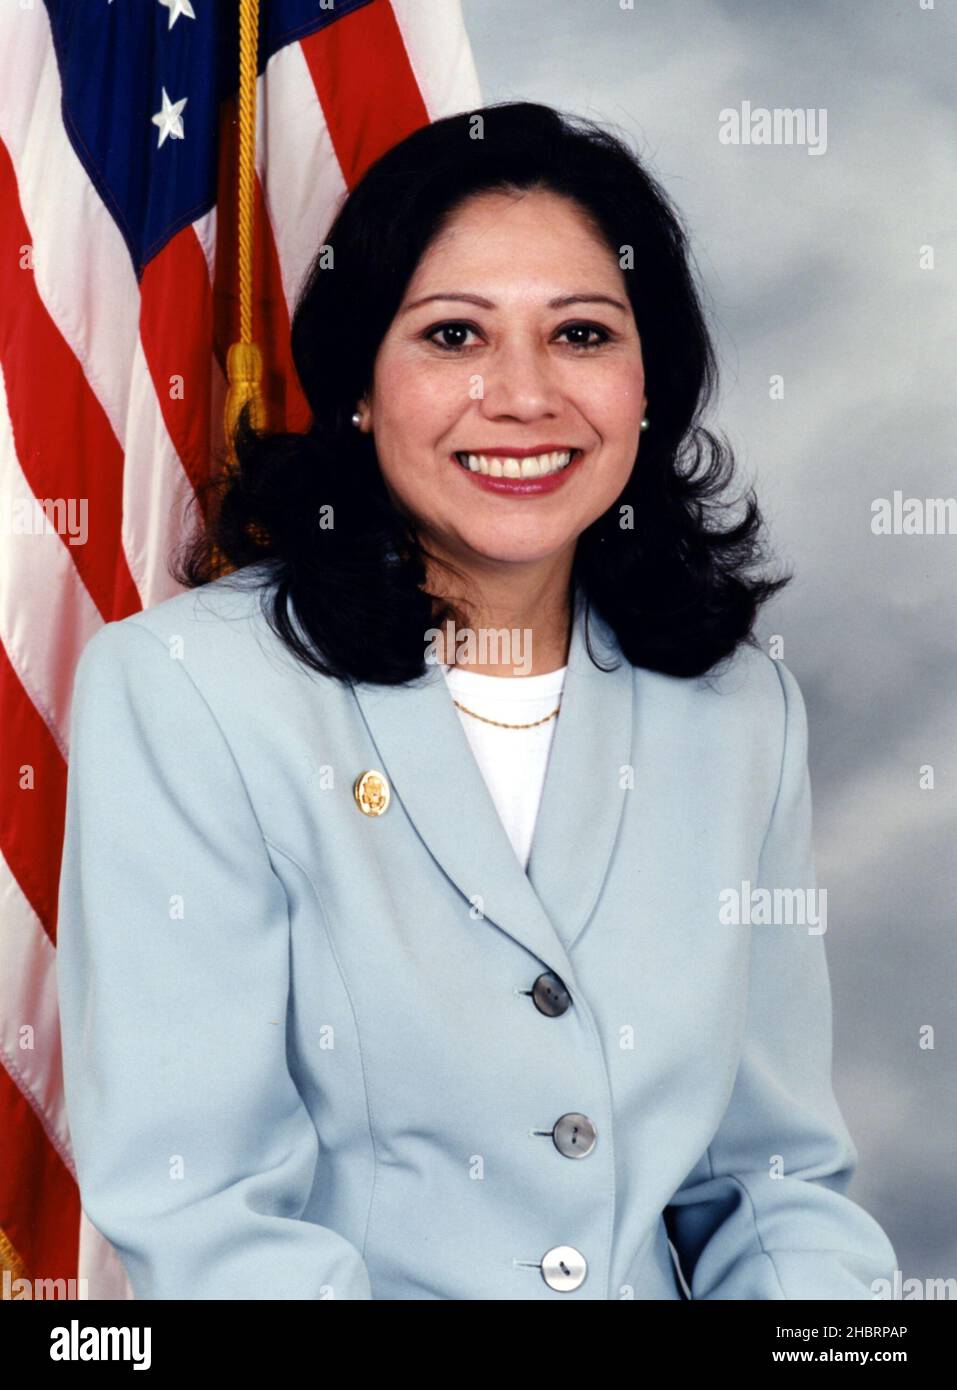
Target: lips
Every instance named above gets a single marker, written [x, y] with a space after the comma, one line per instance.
[520, 464]
[524, 473]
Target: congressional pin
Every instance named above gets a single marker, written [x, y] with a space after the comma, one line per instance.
[371, 791]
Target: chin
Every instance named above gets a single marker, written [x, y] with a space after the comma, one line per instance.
[518, 552]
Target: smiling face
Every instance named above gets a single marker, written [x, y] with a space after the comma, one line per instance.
[508, 391]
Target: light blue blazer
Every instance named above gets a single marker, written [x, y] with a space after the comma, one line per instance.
[310, 1052]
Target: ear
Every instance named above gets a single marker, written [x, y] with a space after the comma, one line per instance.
[364, 410]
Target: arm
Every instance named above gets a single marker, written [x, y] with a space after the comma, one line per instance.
[740, 1232]
[194, 1151]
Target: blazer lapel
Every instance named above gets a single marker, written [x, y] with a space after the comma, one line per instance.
[583, 797]
[424, 753]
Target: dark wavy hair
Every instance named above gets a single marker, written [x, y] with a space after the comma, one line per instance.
[678, 589]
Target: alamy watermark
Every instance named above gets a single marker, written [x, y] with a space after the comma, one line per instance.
[914, 1289]
[84, 1343]
[785, 907]
[19, 1289]
[898, 515]
[43, 516]
[484, 646]
[778, 125]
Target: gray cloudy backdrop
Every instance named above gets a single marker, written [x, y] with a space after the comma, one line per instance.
[811, 268]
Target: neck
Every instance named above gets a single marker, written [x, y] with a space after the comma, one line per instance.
[513, 626]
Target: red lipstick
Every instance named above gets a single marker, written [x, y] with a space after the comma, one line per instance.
[521, 487]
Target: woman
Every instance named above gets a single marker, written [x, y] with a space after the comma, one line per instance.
[397, 962]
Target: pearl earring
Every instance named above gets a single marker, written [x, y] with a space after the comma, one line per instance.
[357, 419]
[645, 423]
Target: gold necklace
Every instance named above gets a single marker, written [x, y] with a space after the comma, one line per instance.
[498, 723]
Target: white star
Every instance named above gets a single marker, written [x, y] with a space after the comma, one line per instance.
[176, 8]
[168, 119]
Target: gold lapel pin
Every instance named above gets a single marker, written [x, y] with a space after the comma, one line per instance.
[372, 794]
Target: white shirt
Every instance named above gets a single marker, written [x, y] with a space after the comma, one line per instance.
[512, 761]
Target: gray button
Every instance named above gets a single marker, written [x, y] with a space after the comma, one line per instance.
[564, 1268]
[550, 995]
[574, 1135]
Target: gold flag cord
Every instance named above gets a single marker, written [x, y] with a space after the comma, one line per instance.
[244, 359]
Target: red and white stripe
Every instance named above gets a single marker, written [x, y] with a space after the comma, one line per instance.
[89, 361]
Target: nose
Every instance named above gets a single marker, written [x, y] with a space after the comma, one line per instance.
[520, 384]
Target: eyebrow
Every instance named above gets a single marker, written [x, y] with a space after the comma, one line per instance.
[562, 302]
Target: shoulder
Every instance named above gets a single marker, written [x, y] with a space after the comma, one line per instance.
[218, 626]
[748, 709]
[746, 685]
[210, 612]
[756, 685]
[213, 644]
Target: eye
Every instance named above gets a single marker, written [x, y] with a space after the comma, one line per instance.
[579, 334]
[451, 335]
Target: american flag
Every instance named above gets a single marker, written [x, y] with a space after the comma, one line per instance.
[118, 302]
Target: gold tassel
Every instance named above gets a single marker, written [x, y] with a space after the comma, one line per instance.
[10, 1261]
[244, 371]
